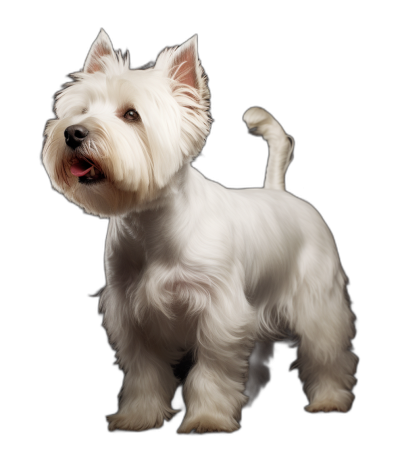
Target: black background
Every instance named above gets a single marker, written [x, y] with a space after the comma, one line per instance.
[307, 68]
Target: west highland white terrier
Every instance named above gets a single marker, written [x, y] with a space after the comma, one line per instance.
[196, 274]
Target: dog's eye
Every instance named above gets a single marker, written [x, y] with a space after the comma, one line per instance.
[84, 110]
[131, 115]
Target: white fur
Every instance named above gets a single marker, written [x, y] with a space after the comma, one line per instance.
[190, 265]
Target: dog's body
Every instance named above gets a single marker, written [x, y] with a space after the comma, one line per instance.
[191, 267]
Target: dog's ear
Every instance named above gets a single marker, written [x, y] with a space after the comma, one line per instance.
[101, 47]
[183, 65]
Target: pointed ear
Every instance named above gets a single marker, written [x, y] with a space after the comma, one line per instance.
[182, 64]
[101, 47]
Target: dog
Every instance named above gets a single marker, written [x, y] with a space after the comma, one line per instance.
[196, 274]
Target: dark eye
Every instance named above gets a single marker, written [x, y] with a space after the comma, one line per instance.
[131, 115]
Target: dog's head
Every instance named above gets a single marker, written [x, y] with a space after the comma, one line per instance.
[120, 135]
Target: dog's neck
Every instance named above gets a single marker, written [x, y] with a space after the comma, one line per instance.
[163, 226]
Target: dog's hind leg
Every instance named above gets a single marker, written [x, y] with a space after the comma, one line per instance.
[325, 327]
[259, 374]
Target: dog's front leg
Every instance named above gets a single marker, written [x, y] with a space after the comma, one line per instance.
[213, 390]
[149, 383]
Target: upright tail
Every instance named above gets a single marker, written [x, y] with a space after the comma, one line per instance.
[281, 145]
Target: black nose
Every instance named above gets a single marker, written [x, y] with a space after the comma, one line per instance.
[75, 135]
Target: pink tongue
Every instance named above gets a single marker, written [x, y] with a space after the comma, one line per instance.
[79, 169]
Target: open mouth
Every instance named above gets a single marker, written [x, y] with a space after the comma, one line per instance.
[87, 171]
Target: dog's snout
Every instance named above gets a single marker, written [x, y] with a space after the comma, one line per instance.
[75, 135]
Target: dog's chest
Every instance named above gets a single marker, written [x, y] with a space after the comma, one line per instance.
[156, 274]
[173, 290]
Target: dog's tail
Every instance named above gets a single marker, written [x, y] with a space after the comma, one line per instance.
[281, 145]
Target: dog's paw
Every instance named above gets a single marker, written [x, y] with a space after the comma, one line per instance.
[130, 423]
[326, 406]
[202, 424]
[339, 400]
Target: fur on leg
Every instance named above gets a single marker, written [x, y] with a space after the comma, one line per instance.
[259, 374]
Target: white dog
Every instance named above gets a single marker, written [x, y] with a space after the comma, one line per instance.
[195, 272]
